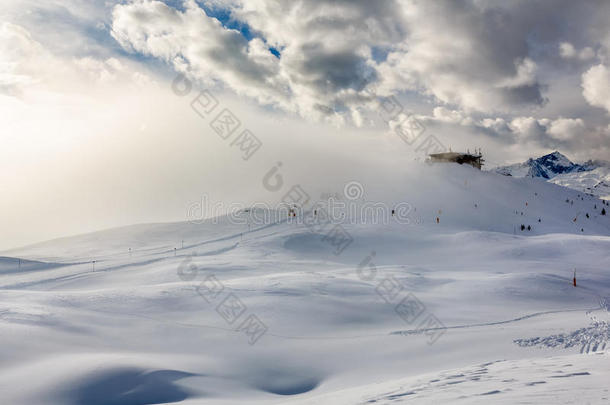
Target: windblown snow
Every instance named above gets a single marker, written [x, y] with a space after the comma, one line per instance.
[458, 304]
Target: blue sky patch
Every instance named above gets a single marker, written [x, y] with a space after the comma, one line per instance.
[379, 54]
[224, 16]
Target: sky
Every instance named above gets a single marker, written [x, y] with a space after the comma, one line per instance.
[103, 103]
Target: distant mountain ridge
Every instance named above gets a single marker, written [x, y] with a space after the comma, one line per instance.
[592, 177]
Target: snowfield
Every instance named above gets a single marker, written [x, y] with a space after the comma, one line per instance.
[466, 309]
[596, 182]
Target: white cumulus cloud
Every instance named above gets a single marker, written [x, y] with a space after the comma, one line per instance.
[596, 86]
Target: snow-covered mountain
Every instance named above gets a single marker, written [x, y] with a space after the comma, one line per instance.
[457, 305]
[547, 167]
[592, 177]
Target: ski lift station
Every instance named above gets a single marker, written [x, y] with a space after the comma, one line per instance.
[474, 160]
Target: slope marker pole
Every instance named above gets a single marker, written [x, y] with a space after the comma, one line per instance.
[574, 279]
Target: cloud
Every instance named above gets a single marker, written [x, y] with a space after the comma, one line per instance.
[529, 127]
[566, 128]
[444, 114]
[567, 51]
[483, 65]
[544, 132]
[200, 46]
[596, 86]
[332, 54]
[325, 48]
[468, 54]
[27, 66]
[16, 51]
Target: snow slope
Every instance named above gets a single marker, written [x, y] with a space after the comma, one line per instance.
[596, 181]
[142, 328]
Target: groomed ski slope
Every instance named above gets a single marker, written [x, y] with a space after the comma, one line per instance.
[137, 328]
